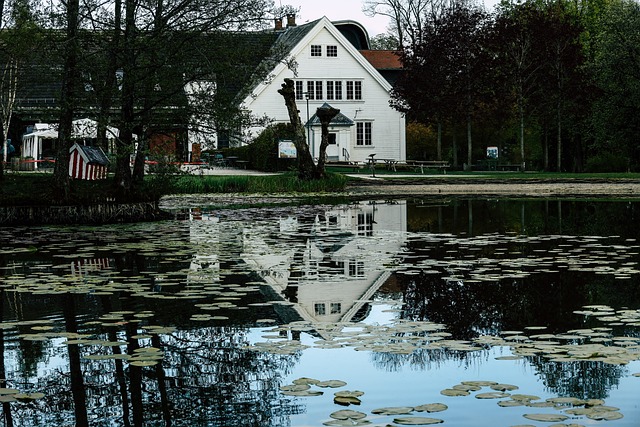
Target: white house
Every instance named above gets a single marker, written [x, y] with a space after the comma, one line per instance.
[330, 69]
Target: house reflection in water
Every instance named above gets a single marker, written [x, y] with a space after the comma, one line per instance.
[331, 264]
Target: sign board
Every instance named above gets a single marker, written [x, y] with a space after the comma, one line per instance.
[286, 150]
[492, 152]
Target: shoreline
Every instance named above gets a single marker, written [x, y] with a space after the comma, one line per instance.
[524, 188]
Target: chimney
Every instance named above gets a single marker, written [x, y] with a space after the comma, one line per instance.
[291, 20]
[278, 26]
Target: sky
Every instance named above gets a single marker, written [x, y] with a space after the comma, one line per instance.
[337, 10]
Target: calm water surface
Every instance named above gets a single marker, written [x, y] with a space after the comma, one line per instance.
[258, 317]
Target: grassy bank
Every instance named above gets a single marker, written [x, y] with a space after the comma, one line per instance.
[36, 189]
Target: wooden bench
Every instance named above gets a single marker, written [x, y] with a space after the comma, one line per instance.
[508, 167]
[421, 165]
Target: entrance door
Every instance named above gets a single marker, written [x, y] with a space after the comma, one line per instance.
[333, 151]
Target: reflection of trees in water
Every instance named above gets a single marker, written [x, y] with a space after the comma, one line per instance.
[207, 377]
[424, 359]
[472, 309]
[583, 380]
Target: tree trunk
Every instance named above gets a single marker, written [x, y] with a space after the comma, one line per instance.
[559, 148]
[469, 143]
[125, 143]
[68, 101]
[439, 146]
[454, 143]
[143, 142]
[306, 167]
[325, 115]
[110, 86]
[521, 113]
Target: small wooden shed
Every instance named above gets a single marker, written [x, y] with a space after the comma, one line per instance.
[87, 162]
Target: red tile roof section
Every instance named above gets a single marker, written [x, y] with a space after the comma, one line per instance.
[383, 59]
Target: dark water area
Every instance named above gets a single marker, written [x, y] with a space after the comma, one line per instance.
[356, 314]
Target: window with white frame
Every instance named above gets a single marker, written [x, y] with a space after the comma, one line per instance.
[354, 90]
[316, 50]
[335, 89]
[310, 91]
[365, 224]
[330, 90]
[363, 133]
[299, 89]
[320, 309]
[332, 51]
[336, 308]
[338, 90]
[357, 90]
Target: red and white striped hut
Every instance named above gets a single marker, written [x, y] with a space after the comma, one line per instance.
[87, 162]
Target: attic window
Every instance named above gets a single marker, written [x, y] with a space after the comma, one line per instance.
[332, 51]
[316, 50]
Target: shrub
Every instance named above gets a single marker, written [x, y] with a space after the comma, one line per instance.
[262, 153]
[607, 162]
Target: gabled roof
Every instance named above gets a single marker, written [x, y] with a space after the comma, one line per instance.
[295, 42]
[91, 155]
[383, 59]
[339, 120]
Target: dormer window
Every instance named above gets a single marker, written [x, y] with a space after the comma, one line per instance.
[316, 50]
[332, 51]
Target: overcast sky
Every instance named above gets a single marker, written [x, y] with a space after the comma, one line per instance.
[337, 10]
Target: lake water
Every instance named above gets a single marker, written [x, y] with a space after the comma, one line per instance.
[505, 312]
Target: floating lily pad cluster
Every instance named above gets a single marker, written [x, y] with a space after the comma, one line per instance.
[584, 254]
[97, 348]
[568, 407]
[14, 395]
[596, 344]
[400, 337]
[403, 415]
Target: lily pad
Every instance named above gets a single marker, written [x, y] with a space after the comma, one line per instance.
[454, 393]
[26, 397]
[605, 416]
[347, 414]
[417, 421]
[346, 400]
[493, 395]
[303, 393]
[331, 383]
[394, 410]
[504, 387]
[348, 423]
[432, 407]
[346, 393]
[305, 380]
[547, 418]
[295, 387]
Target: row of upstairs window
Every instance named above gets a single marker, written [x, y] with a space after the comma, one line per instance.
[331, 90]
[331, 51]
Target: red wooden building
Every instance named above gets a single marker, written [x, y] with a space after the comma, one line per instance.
[87, 162]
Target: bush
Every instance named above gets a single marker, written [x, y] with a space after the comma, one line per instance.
[262, 153]
[607, 162]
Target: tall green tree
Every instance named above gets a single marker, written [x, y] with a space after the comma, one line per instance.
[68, 98]
[18, 36]
[446, 74]
[616, 73]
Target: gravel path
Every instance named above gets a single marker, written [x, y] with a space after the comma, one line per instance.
[524, 187]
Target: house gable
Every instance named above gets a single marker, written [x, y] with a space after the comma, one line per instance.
[330, 69]
[302, 40]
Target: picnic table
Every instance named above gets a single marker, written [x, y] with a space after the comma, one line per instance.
[440, 165]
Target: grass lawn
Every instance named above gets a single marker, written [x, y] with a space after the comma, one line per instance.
[36, 189]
